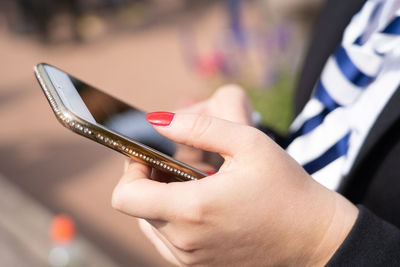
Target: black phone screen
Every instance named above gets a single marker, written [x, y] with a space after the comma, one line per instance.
[92, 104]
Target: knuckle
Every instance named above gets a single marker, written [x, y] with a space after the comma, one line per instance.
[200, 126]
[194, 212]
[256, 137]
[256, 134]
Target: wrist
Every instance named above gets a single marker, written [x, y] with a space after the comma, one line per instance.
[342, 221]
[316, 226]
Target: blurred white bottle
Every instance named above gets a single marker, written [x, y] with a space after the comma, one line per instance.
[66, 251]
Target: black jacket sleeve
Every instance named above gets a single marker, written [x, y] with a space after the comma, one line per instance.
[371, 242]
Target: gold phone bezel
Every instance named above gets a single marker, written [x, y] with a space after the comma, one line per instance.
[110, 139]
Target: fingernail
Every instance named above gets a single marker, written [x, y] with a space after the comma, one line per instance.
[160, 118]
[210, 172]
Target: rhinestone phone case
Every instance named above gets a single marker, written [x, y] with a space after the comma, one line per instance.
[108, 138]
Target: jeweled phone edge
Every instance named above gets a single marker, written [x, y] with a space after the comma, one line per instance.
[151, 157]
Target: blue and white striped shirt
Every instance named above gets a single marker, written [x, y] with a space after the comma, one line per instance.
[355, 85]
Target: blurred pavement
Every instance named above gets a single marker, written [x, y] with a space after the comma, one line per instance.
[24, 232]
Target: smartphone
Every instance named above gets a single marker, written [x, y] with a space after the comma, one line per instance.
[106, 120]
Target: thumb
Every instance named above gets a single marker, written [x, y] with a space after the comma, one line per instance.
[204, 132]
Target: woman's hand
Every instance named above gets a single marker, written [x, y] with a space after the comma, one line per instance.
[229, 102]
[261, 208]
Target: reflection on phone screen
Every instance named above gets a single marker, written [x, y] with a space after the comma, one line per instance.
[100, 108]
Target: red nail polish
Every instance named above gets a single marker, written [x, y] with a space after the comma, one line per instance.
[160, 118]
[210, 172]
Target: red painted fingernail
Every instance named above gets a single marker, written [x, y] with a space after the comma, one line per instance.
[210, 172]
[160, 118]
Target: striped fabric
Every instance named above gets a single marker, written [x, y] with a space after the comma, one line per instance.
[321, 133]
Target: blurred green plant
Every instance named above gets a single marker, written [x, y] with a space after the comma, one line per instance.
[275, 103]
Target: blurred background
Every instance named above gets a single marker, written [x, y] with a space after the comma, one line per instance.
[153, 54]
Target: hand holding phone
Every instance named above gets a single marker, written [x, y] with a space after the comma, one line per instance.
[100, 117]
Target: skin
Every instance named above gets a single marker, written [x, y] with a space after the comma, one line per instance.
[260, 209]
[229, 102]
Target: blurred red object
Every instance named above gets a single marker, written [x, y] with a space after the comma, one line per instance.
[210, 64]
[62, 229]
